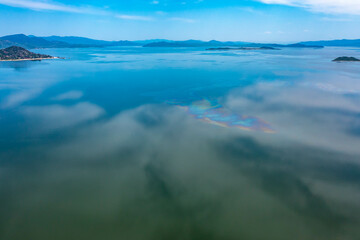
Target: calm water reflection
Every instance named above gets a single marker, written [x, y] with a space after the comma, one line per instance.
[93, 147]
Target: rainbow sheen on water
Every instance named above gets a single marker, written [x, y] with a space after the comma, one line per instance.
[210, 111]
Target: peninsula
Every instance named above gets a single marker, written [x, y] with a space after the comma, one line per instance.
[15, 53]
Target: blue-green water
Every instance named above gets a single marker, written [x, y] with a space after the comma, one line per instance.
[147, 143]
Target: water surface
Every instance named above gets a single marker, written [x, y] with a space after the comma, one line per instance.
[151, 143]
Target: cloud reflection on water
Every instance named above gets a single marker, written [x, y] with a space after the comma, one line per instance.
[303, 113]
[157, 170]
[55, 117]
[71, 95]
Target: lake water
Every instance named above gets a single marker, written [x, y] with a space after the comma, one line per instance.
[147, 143]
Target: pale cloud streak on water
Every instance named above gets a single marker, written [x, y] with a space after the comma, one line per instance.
[157, 162]
[57, 117]
[303, 113]
[71, 95]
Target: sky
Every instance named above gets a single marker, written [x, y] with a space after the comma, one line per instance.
[224, 20]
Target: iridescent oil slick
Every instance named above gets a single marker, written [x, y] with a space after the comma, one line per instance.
[210, 111]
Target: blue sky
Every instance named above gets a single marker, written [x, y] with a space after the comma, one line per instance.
[240, 20]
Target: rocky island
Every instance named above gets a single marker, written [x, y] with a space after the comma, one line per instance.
[346, 59]
[16, 53]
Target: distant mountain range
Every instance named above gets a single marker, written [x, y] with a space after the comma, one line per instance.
[213, 43]
[81, 41]
[31, 42]
[192, 43]
[335, 43]
[22, 40]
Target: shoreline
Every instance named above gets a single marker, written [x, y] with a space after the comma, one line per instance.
[28, 59]
[241, 48]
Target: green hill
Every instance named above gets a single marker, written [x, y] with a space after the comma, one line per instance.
[19, 53]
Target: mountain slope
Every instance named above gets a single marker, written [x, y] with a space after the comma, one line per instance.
[75, 40]
[24, 41]
[89, 42]
[31, 41]
[336, 43]
[5, 43]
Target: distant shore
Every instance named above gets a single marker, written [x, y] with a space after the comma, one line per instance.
[241, 48]
[28, 59]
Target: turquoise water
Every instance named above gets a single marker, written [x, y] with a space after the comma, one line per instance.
[151, 143]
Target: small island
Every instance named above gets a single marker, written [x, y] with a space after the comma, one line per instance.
[16, 53]
[346, 59]
[241, 48]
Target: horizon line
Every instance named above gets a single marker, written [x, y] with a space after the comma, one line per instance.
[189, 39]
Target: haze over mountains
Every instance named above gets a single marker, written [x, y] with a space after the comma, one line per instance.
[213, 43]
[336, 43]
[31, 41]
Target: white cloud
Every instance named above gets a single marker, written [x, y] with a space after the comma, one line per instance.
[134, 17]
[40, 5]
[161, 13]
[187, 20]
[49, 6]
[55, 6]
[325, 6]
[332, 19]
